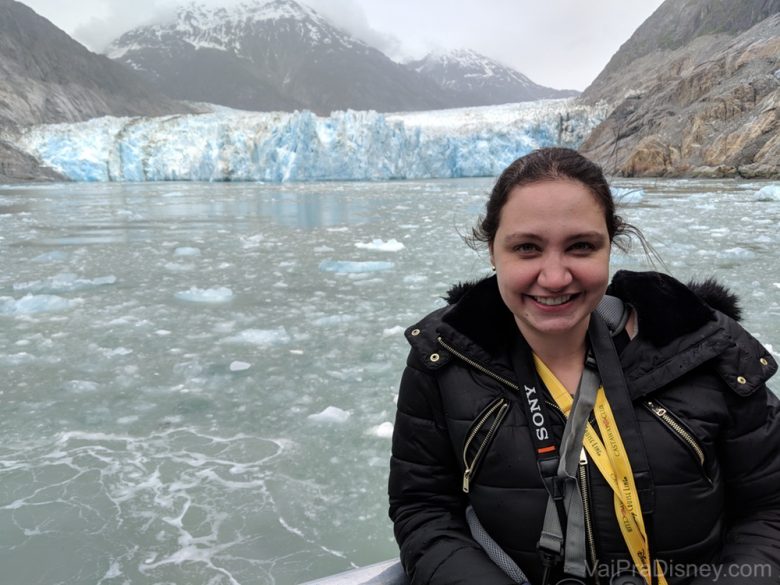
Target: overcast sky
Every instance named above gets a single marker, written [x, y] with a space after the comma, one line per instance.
[558, 43]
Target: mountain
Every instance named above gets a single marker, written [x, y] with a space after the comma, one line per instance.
[49, 77]
[695, 91]
[279, 55]
[472, 79]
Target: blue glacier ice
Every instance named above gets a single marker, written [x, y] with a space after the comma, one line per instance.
[231, 145]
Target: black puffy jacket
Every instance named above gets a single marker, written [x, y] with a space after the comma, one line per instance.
[710, 427]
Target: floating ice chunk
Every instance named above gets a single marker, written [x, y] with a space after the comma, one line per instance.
[63, 282]
[320, 249]
[415, 278]
[767, 193]
[178, 267]
[260, 337]
[384, 431]
[239, 366]
[31, 304]
[126, 420]
[53, 256]
[331, 414]
[117, 351]
[737, 253]
[392, 331]
[381, 246]
[186, 251]
[333, 320]
[627, 196]
[248, 242]
[220, 294]
[80, 386]
[17, 359]
[350, 266]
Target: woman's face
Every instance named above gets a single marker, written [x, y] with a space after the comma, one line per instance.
[551, 253]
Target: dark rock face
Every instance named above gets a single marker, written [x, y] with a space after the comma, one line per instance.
[18, 166]
[705, 108]
[47, 77]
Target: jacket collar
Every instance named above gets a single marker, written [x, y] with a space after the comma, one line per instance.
[666, 308]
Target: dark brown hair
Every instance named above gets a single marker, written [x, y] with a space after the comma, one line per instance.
[551, 164]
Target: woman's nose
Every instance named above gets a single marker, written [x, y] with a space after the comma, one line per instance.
[554, 274]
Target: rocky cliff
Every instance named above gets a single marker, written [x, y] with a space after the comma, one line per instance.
[47, 77]
[694, 92]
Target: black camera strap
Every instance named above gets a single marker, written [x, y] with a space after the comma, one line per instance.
[534, 399]
[604, 364]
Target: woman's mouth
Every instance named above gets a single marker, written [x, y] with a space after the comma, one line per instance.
[553, 301]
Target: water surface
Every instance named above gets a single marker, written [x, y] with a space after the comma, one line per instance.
[199, 379]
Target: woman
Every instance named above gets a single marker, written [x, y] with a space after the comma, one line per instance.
[659, 459]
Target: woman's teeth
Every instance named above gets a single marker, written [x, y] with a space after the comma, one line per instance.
[552, 301]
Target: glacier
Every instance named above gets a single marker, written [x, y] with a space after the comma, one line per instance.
[233, 145]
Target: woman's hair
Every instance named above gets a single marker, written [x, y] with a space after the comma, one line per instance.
[552, 164]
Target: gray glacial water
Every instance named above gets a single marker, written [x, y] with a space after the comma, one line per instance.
[199, 379]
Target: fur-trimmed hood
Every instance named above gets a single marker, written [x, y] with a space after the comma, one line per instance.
[679, 326]
[666, 308]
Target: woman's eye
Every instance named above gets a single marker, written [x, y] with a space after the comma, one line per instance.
[524, 248]
[583, 247]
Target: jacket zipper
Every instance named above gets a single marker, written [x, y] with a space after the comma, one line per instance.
[500, 405]
[582, 469]
[476, 365]
[585, 492]
[663, 414]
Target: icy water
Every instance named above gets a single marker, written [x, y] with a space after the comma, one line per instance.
[199, 379]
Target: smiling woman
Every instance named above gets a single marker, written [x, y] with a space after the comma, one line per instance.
[555, 428]
[551, 253]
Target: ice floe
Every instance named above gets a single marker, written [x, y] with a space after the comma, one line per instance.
[239, 366]
[186, 251]
[379, 245]
[332, 414]
[53, 256]
[355, 266]
[767, 193]
[219, 294]
[31, 304]
[64, 282]
[384, 431]
[260, 337]
[392, 331]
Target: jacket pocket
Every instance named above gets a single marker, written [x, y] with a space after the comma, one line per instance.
[479, 437]
[681, 432]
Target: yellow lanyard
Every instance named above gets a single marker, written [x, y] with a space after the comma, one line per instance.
[612, 461]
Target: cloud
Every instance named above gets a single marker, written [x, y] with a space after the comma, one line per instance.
[349, 16]
[118, 18]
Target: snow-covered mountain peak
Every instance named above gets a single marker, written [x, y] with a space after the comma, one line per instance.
[469, 63]
[227, 29]
[476, 76]
[277, 10]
